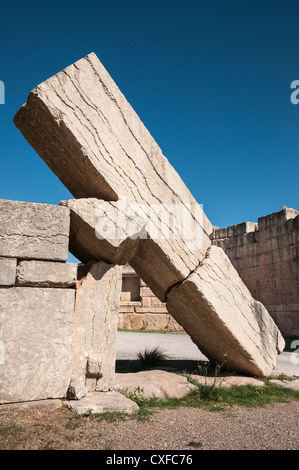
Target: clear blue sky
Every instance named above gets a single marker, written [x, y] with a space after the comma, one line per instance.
[210, 80]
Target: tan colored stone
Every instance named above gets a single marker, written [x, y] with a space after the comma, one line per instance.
[103, 402]
[46, 274]
[233, 326]
[148, 321]
[81, 117]
[154, 383]
[41, 405]
[34, 231]
[95, 328]
[36, 331]
[79, 120]
[293, 384]
[8, 268]
[268, 263]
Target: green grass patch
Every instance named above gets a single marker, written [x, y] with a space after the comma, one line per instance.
[218, 398]
[11, 436]
[215, 399]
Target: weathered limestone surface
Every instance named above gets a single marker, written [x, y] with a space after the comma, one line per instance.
[82, 126]
[46, 274]
[154, 383]
[233, 326]
[8, 271]
[103, 402]
[266, 256]
[79, 122]
[32, 230]
[95, 328]
[87, 242]
[36, 333]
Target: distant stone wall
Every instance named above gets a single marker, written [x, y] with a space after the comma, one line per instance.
[266, 256]
[139, 308]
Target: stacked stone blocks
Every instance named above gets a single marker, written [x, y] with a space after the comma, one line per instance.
[58, 323]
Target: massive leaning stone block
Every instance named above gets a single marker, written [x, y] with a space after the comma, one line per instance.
[84, 129]
[36, 334]
[234, 326]
[33, 231]
[82, 126]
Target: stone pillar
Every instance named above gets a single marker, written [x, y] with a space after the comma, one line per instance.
[95, 328]
[37, 299]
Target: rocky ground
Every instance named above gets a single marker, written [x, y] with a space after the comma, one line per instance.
[274, 427]
[231, 427]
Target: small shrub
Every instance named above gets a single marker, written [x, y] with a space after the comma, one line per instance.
[151, 357]
[195, 444]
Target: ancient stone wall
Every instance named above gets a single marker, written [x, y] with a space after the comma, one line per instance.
[37, 296]
[266, 256]
[58, 323]
[140, 309]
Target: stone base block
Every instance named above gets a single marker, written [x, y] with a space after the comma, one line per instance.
[103, 402]
[36, 333]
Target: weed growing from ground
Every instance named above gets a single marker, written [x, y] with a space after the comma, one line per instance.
[151, 357]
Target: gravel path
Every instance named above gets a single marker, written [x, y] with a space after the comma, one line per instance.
[274, 427]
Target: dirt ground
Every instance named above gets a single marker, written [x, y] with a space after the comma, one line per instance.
[274, 427]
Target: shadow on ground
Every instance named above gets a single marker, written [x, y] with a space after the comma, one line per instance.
[173, 365]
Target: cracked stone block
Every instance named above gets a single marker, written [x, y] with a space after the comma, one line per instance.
[234, 328]
[36, 331]
[8, 268]
[95, 327]
[80, 121]
[81, 125]
[33, 231]
[46, 274]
